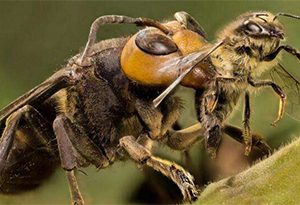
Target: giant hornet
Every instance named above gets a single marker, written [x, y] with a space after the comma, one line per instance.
[111, 100]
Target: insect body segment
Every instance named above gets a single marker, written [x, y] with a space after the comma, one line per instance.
[151, 58]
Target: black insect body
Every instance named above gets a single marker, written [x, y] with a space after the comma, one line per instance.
[95, 108]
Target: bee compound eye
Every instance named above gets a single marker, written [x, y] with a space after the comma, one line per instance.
[253, 28]
[155, 43]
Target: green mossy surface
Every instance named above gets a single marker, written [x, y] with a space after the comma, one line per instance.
[275, 180]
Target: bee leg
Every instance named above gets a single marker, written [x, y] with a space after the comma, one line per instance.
[212, 123]
[177, 174]
[287, 48]
[213, 140]
[33, 119]
[185, 138]
[212, 97]
[247, 132]
[150, 116]
[277, 90]
[114, 19]
[257, 141]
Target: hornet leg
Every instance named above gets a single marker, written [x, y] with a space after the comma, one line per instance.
[185, 138]
[68, 159]
[176, 173]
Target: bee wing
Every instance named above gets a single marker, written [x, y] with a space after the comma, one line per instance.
[291, 87]
[40, 93]
[189, 62]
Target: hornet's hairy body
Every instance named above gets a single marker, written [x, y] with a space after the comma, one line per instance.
[108, 115]
[99, 110]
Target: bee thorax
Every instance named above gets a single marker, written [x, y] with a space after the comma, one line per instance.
[243, 57]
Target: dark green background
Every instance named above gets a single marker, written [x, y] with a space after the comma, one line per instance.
[36, 38]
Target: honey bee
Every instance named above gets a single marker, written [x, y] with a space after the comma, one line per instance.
[246, 48]
[102, 105]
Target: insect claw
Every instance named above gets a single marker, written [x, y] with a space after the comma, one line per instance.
[280, 111]
[274, 124]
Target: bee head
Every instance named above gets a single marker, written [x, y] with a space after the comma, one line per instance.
[259, 33]
[257, 25]
[262, 25]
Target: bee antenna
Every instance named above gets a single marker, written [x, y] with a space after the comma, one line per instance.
[287, 15]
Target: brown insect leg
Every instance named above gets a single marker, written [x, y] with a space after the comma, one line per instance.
[246, 122]
[151, 116]
[34, 120]
[185, 138]
[70, 138]
[145, 141]
[213, 140]
[237, 134]
[68, 159]
[8, 138]
[173, 171]
[171, 108]
[114, 19]
[287, 48]
[213, 97]
[74, 188]
[278, 91]
[159, 121]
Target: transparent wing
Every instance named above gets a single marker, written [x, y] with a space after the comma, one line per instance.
[291, 86]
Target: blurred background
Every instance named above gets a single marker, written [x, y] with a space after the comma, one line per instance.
[36, 38]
